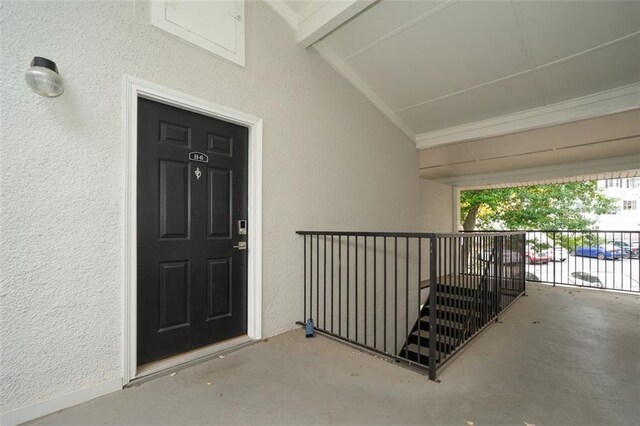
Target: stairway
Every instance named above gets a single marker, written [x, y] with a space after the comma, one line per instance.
[456, 312]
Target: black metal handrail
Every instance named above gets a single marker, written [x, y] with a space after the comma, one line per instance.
[371, 288]
[474, 307]
[602, 259]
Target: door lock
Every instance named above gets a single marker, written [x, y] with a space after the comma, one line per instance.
[242, 227]
[242, 245]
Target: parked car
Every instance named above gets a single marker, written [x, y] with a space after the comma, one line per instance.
[532, 256]
[605, 251]
[558, 254]
[628, 250]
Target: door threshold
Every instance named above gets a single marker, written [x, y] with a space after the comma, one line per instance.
[191, 357]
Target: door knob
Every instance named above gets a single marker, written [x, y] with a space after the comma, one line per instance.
[242, 245]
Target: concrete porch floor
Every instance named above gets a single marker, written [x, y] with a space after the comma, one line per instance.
[561, 356]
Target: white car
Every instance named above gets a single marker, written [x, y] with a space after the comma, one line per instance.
[558, 254]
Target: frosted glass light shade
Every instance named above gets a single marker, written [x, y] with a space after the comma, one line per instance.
[43, 78]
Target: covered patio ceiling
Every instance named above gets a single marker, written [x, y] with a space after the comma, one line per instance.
[492, 88]
[598, 148]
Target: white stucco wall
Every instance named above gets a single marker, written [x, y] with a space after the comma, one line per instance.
[437, 206]
[331, 161]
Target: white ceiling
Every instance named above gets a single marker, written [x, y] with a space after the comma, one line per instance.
[437, 65]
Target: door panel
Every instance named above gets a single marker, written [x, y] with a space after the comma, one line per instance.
[219, 196]
[174, 286]
[219, 285]
[192, 283]
[174, 199]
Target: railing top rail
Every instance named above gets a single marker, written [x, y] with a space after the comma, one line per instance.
[558, 230]
[408, 234]
[369, 234]
[480, 234]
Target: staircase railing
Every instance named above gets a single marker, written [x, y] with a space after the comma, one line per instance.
[475, 305]
[489, 277]
[371, 288]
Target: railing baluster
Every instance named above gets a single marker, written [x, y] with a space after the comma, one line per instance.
[395, 309]
[433, 293]
[304, 297]
[348, 289]
[310, 277]
[365, 290]
[324, 278]
[356, 290]
[317, 280]
[375, 287]
[419, 320]
[340, 284]
[332, 274]
[385, 293]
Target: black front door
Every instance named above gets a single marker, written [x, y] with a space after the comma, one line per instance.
[192, 207]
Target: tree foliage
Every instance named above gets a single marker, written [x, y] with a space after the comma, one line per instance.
[573, 205]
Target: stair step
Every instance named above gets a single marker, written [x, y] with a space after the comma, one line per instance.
[447, 298]
[413, 356]
[460, 290]
[411, 352]
[443, 315]
[448, 335]
[442, 323]
[444, 344]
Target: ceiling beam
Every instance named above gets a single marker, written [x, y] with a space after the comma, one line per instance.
[604, 103]
[327, 18]
[556, 172]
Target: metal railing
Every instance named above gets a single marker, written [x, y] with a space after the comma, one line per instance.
[371, 289]
[584, 258]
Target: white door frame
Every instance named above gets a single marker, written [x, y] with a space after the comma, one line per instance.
[135, 88]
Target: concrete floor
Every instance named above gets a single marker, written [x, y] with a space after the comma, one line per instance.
[560, 356]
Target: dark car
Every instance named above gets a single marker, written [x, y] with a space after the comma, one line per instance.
[628, 250]
[604, 251]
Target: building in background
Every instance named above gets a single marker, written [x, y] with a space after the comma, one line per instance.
[627, 216]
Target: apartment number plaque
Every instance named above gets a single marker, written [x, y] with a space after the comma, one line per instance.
[198, 156]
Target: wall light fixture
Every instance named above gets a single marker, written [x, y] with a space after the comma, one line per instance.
[43, 78]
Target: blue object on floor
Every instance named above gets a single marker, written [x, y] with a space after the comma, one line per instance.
[308, 328]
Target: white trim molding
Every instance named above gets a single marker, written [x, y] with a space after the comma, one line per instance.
[319, 18]
[599, 104]
[43, 408]
[135, 88]
[327, 18]
[554, 173]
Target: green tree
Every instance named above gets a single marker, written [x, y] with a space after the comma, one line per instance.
[573, 205]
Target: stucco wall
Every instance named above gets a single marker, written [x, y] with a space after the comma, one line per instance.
[437, 212]
[331, 161]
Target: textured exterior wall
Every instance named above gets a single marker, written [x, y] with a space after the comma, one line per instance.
[436, 206]
[331, 161]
